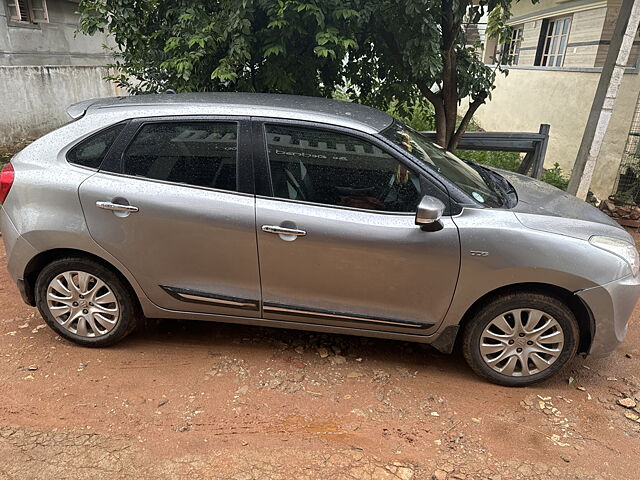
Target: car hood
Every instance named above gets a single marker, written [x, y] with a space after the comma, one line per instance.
[546, 208]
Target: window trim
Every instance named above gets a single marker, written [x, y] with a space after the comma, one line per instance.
[17, 19]
[244, 154]
[264, 184]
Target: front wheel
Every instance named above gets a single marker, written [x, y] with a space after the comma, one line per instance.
[521, 338]
[85, 302]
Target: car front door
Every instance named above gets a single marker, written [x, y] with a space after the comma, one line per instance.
[337, 239]
[173, 202]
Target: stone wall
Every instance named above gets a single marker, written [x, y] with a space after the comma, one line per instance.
[33, 99]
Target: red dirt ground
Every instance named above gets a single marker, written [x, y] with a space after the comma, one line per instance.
[209, 400]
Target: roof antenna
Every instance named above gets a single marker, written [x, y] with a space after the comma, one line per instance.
[170, 91]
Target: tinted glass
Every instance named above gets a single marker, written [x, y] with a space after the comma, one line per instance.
[91, 152]
[334, 169]
[468, 179]
[194, 153]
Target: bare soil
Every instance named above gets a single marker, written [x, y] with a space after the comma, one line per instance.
[215, 401]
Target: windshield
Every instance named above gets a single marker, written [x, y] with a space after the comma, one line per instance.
[473, 180]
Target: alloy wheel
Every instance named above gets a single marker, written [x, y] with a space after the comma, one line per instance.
[521, 342]
[83, 304]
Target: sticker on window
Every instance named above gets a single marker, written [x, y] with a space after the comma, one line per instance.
[478, 197]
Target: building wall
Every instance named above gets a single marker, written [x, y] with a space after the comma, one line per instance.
[562, 96]
[526, 98]
[52, 43]
[44, 68]
[35, 99]
[591, 29]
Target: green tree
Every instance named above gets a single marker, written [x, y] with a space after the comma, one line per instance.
[412, 50]
[288, 46]
[382, 52]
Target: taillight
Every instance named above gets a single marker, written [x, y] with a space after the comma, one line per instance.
[7, 176]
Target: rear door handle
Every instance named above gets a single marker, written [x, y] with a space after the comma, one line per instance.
[275, 229]
[116, 207]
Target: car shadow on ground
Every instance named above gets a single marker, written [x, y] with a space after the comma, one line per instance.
[255, 343]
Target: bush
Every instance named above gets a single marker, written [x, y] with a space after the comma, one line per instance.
[555, 177]
[419, 116]
[504, 160]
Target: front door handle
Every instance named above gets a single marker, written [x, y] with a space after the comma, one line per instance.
[283, 230]
[116, 207]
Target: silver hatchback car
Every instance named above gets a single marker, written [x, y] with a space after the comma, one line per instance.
[307, 213]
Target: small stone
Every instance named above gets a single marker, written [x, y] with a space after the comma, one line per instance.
[439, 475]
[582, 389]
[336, 349]
[631, 416]
[163, 403]
[358, 412]
[299, 350]
[475, 420]
[32, 368]
[435, 414]
[339, 360]
[323, 352]
[565, 459]
[359, 359]
[628, 355]
[525, 470]
[627, 402]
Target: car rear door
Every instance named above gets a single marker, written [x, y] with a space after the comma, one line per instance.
[173, 202]
[337, 239]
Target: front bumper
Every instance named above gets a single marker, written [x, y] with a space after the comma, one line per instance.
[611, 306]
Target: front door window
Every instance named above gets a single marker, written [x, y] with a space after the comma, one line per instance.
[332, 168]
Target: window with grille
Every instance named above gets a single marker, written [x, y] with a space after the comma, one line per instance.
[553, 42]
[28, 11]
[511, 51]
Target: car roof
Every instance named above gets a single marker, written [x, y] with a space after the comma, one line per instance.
[291, 107]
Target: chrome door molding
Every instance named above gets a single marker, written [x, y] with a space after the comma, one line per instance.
[196, 296]
[319, 313]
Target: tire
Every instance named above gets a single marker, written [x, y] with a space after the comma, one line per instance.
[97, 320]
[488, 345]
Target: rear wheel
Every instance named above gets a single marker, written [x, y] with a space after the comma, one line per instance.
[85, 302]
[520, 339]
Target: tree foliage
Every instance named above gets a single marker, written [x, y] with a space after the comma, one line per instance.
[381, 52]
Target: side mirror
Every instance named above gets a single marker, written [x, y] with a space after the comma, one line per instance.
[430, 211]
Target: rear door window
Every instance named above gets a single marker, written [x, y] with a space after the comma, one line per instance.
[92, 151]
[202, 154]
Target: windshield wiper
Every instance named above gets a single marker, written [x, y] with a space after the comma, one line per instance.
[497, 183]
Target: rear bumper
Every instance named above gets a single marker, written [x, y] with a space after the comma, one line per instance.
[19, 252]
[611, 305]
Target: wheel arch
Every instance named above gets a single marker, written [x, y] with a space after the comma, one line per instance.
[42, 259]
[584, 317]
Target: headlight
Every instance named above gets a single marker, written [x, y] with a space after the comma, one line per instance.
[622, 249]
